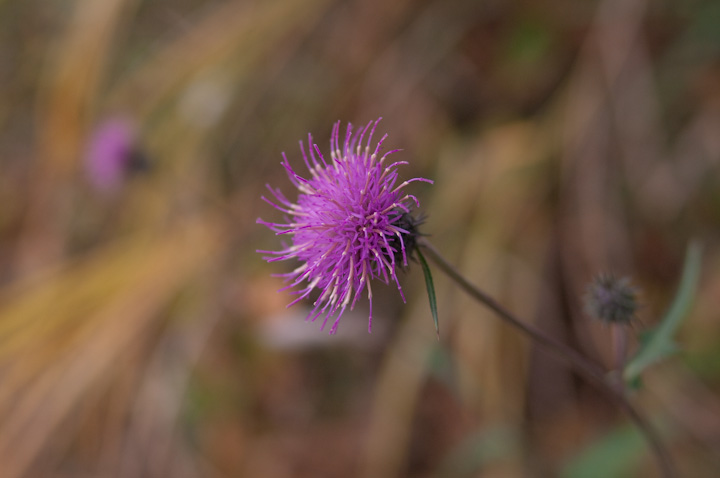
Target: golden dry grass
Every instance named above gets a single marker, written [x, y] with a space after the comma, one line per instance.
[141, 335]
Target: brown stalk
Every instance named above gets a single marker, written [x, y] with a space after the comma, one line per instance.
[587, 368]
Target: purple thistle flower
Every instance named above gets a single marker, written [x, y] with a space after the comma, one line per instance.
[346, 224]
[110, 153]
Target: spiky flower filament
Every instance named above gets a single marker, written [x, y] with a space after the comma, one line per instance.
[344, 224]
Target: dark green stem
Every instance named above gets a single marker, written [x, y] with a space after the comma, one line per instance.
[590, 370]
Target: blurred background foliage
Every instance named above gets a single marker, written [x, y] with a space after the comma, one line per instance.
[142, 336]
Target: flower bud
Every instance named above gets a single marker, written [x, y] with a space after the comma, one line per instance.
[611, 299]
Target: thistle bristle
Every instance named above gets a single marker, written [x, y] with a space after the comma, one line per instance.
[355, 223]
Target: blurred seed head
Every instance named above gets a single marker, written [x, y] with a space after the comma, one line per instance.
[611, 299]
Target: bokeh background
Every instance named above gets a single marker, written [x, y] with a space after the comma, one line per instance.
[141, 335]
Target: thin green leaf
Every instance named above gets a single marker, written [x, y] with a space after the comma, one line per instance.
[616, 454]
[480, 450]
[659, 342]
[430, 290]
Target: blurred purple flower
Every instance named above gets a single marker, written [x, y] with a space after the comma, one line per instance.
[109, 153]
[345, 226]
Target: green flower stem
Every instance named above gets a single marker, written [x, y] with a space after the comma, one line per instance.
[620, 340]
[590, 370]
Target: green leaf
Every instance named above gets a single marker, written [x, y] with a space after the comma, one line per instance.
[659, 343]
[480, 450]
[430, 290]
[616, 454]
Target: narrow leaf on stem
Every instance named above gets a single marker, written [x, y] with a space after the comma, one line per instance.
[659, 343]
[430, 290]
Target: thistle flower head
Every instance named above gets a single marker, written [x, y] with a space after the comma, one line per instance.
[346, 225]
[112, 153]
[611, 299]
